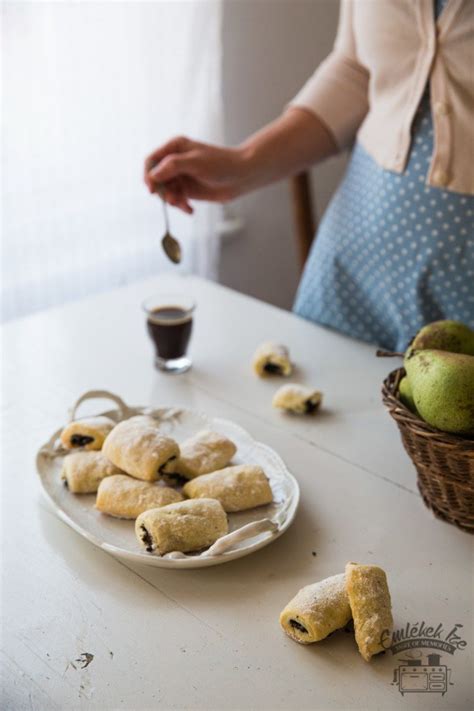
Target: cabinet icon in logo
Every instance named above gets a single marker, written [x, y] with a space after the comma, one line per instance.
[413, 676]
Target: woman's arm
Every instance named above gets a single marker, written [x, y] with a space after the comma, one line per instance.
[190, 170]
[293, 142]
[338, 91]
[322, 119]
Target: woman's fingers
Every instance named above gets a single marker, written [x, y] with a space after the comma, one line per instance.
[174, 193]
[182, 170]
[178, 144]
[175, 165]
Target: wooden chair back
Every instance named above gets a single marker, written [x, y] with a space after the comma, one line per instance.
[304, 214]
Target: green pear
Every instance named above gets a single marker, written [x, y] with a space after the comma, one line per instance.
[451, 336]
[442, 384]
[406, 395]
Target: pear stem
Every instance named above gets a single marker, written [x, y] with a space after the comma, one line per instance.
[389, 354]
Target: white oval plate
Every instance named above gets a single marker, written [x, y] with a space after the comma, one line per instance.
[249, 530]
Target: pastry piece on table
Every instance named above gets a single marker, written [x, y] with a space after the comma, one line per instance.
[83, 471]
[88, 433]
[272, 359]
[205, 452]
[124, 497]
[240, 487]
[317, 610]
[369, 598]
[137, 447]
[185, 527]
[297, 398]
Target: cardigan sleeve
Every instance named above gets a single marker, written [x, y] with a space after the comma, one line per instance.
[338, 90]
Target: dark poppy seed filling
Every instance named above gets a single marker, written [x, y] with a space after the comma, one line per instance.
[298, 626]
[78, 440]
[162, 469]
[147, 539]
[272, 368]
[176, 479]
[310, 406]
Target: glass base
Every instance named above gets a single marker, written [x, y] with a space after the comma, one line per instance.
[173, 365]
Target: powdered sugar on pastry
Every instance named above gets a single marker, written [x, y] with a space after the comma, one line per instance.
[185, 526]
[297, 398]
[83, 471]
[369, 598]
[272, 359]
[317, 610]
[238, 488]
[203, 453]
[137, 447]
[124, 497]
[88, 433]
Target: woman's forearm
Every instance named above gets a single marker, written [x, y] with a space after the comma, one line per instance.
[182, 169]
[288, 145]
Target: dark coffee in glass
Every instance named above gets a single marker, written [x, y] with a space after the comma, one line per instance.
[169, 323]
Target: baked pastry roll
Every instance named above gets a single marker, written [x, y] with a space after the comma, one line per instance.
[83, 471]
[137, 447]
[369, 598]
[205, 452]
[186, 526]
[317, 610]
[88, 433]
[124, 497]
[297, 398]
[237, 488]
[272, 359]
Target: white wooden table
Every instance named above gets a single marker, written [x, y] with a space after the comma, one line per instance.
[210, 638]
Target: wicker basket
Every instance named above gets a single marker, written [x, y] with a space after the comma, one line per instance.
[444, 462]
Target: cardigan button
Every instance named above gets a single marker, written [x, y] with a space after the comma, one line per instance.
[440, 177]
[441, 108]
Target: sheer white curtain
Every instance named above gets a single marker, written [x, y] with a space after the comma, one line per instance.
[89, 89]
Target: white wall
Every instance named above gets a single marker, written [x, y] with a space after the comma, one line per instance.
[270, 48]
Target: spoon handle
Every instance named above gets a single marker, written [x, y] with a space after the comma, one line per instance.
[165, 207]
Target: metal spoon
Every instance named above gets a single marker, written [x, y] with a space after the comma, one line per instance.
[170, 244]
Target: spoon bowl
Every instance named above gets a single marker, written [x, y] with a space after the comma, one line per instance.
[171, 248]
[170, 244]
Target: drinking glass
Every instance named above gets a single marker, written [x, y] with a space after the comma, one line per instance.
[170, 323]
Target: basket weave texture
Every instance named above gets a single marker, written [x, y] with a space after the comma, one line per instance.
[444, 462]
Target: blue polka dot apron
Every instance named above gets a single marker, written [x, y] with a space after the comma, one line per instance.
[391, 253]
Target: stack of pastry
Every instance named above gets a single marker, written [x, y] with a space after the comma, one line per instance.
[361, 593]
[137, 473]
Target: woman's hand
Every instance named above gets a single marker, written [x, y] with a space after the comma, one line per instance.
[183, 169]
